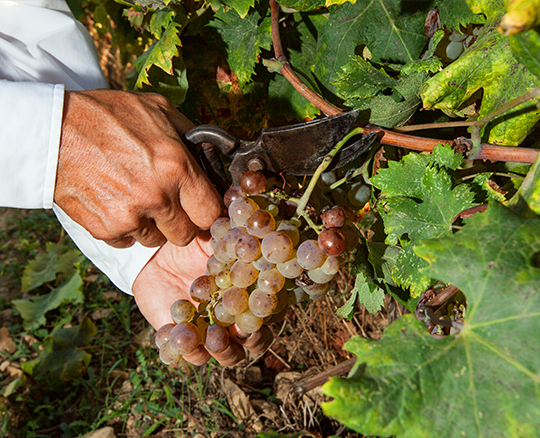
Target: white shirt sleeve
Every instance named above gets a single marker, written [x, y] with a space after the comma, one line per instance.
[44, 50]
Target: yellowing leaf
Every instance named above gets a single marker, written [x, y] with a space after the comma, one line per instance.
[522, 15]
[160, 53]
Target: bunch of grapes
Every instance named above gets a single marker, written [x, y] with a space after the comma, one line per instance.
[264, 260]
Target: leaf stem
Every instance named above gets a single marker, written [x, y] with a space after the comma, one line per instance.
[440, 125]
[476, 136]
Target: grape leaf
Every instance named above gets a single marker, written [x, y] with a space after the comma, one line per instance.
[521, 15]
[309, 5]
[369, 294]
[244, 38]
[484, 382]
[393, 30]
[526, 47]
[240, 6]
[33, 309]
[47, 265]
[396, 109]
[160, 53]
[457, 13]
[300, 45]
[488, 65]
[63, 357]
[420, 204]
[526, 201]
[361, 80]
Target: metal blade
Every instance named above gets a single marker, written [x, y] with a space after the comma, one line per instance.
[298, 149]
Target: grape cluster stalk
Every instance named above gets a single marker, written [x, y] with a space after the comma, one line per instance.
[265, 259]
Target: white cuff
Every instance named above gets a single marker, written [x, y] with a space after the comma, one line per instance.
[30, 126]
[121, 265]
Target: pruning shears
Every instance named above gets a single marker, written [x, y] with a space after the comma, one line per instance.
[294, 150]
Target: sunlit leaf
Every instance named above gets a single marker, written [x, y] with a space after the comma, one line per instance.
[483, 382]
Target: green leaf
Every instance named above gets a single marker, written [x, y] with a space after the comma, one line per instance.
[47, 265]
[488, 65]
[361, 80]
[482, 180]
[369, 294]
[160, 53]
[63, 358]
[33, 310]
[420, 204]
[347, 310]
[240, 6]
[244, 38]
[526, 47]
[457, 13]
[393, 30]
[482, 383]
[526, 201]
[303, 5]
[394, 110]
[300, 44]
[161, 20]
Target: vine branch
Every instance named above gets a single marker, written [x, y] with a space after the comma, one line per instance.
[474, 147]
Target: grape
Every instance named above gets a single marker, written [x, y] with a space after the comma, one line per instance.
[316, 291]
[299, 294]
[217, 338]
[220, 227]
[271, 281]
[248, 249]
[290, 268]
[260, 223]
[454, 49]
[263, 265]
[334, 217]
[223, 280]
[231, 239]
[328, 178]
[359, 194]
[273, 209]
[203, 288]
[277, 247]
[168, 355]
[235, 300]
[289, 228]
[243, 274]
[261, 304]
[241, 209]
[309, 255]
[351, 237]
[252, 182]
[185, 337]
[222, 317]
[233, 193]
[182, 311]
[162, 335]
[331, 265]
[248, 322]
[318, 276]
[332, 241]
[220, 251]
[214, 266]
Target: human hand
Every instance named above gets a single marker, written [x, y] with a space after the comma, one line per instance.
[167, 277]
[124, 173]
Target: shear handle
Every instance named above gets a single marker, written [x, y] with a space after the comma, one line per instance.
[216, 136]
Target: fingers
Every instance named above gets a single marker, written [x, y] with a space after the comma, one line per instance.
[257, 342]
[176, 226]
[232, 355]
[198, 357]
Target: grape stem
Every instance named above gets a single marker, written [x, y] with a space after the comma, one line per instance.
[327, 160]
